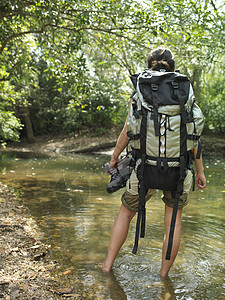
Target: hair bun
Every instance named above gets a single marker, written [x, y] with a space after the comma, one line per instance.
[159, 65]
[161, 58]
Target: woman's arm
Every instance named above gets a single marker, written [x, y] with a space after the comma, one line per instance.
[121, 143]
[200, 176]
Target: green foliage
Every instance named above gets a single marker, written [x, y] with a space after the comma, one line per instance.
[83, 102]
[10, 125]
[213, 101]
[69, 61]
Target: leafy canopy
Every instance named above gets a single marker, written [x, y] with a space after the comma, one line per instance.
[69, 61]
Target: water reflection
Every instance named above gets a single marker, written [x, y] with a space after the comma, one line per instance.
[67, 197]
[116, 291]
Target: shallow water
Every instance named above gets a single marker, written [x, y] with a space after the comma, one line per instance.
[68, 199]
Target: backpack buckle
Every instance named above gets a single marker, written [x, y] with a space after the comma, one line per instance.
[154, 87]
[137, 114]
[175, 84]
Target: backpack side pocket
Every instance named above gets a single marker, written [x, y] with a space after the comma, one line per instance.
[134, 126]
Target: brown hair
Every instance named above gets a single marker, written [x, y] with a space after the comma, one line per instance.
[161, 58]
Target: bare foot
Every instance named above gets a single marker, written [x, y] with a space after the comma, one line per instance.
[163, 276]
[105, 268]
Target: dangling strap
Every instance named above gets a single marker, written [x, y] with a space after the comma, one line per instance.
[140, 217]
[189, 166]
[193, 180]
[142, 191]
[172, 226]
[183, 164]
[134, 251]
[162, 164]
[198, 155]
[175, 207]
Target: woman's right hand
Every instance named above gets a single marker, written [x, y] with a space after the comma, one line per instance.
[200, 180]
[113, 161]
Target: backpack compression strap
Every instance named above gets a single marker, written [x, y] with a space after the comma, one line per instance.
[154, 88]
[142, 191]
[183, 163]
[181, 99]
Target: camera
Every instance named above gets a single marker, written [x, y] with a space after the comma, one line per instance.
[120, 174]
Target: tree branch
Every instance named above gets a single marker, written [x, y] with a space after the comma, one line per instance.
[4, 78]
[15, 35]
[50, 9]
[106, 30]
[18, 11]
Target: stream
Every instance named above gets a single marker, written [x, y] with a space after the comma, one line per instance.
[67, 197]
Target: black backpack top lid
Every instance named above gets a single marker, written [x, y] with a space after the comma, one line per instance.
[163, 84]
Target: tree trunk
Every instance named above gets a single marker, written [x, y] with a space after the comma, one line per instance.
[28, 125]
[196, 79]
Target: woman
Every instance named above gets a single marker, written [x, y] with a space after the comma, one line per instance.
[160, 58]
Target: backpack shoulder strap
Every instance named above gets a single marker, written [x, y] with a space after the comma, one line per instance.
[182, 100]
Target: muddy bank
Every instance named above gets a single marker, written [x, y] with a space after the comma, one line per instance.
[23, 272]
[213, 145]
[26, 267]
[85, 143]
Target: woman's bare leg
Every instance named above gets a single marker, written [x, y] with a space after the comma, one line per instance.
[118, 236]
[166, 264]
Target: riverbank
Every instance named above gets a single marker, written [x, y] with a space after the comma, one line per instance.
[26, 266]
[23, 272]
[213, 145]
[83, 143]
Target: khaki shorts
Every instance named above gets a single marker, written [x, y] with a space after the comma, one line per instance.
[130, 198]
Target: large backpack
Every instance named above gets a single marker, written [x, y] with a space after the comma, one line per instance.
[163, 127]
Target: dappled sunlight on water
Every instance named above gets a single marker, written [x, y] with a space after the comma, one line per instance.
[67, 197]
